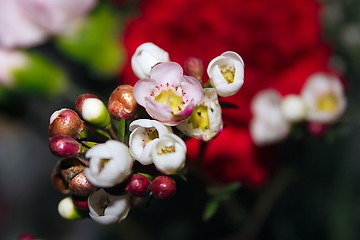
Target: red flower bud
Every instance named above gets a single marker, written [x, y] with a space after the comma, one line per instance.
[138, 185]
[64, 146]
[80, 203]
[163, 187]
[122, 103]
[316, 129]
[67, 122]
[194, 67]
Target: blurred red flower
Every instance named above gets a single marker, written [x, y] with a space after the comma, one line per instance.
[280, 42]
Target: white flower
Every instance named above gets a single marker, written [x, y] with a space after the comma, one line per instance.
[324, 97]
[146, 56]
[10, 60]
[268, 124]
[226, 73]
[145, 133]
[169, 154]
[110, 163]
[205, 122]
[108, 209]
[293, 108]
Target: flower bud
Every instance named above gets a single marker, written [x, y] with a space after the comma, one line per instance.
[80, 203]
[194, 67]
[317, 129]
[67, 210]
[92, 110]
[64, 146]
[80, 185]
[67, 122]
[122, 103]
[65, 170]
[293, 108]
[163, 187]
[146, 56]
[10, 60]
[138, 185]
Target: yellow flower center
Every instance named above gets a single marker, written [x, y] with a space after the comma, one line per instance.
[228, 73]
[327, 103]
[171, 99]
[166, 149]
[150, 134]
[200, 118]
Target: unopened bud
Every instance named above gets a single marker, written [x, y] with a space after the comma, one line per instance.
[80, 202]
[93, 110]
[138, 185]
[67, 122]
[163, 187]
[80, 185]
[64, 146]
[122, 103]
[316, 129]
[194, 67]
[293, 108]
[67, 209]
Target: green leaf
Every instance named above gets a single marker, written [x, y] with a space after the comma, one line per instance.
[228, 105]
[122, 129]
[95, 42]
[40, 76]
[211, 208]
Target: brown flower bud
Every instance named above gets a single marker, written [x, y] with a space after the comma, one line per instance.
[194, 67]
[80, 185]
[163, 187]
[122, 103]
[67, 122]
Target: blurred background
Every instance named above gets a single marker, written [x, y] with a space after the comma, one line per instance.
[304, 187]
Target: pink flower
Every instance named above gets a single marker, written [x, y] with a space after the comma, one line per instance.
[168, 96]
[26, 23]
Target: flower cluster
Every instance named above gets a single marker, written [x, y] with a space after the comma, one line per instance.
[105, 148]
[321, 102]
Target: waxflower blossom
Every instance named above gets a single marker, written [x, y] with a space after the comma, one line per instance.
[145, 133]
[293, 108]
[268, 124]
[324, 97]
[205, 122]
[169, 154]
[168, 96]
[110, 163]
[226, 73]
[146, 56]
[108, 209]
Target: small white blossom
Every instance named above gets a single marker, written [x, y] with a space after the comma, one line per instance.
[205, 122]
[293, 108]
[108, 209]
[146, 56]
[169, 154]
[145, 133]
[324, 97]
[226, 73]
[110, 163]
[268, 124]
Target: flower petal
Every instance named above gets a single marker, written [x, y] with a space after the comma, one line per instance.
[143, 89]
[167, 72]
